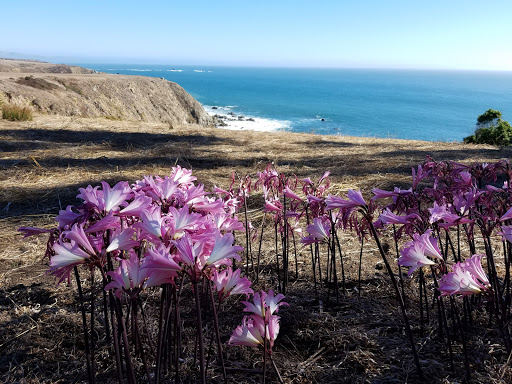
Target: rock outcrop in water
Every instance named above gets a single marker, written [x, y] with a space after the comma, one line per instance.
[74, 91]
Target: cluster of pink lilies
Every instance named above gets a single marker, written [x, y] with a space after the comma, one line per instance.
[158, 232]
[165, 232]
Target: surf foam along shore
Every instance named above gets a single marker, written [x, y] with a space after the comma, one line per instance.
[228, 119]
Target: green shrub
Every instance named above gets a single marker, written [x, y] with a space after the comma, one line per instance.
[491, 129]
[488, 116]
[15, 113]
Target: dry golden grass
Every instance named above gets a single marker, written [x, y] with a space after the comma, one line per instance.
[44, 162]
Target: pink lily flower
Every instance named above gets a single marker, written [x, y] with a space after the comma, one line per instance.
[66, 257]
[33, 231]
[207, 205]
[355, 200]
[67, 254]
[388, 217]
[381, 194]
[474, 266]
[290, 194]
[110, 221]
[414, 256]
[223, 249]
[273, 206]
[66, 218]
[418, 176]
[507, 215]
[182, 220]
[250, 333]
[230, 283]
[78, 235]
[467, 278]
[182, 176]
[224, 222]
[135, 208]
[116, 196]
[431, 248]
[167, 188]
[128, 277]
[92, 196]
[264, 305]
[160, 265]
[253, 330]
[123, 241]
[194, 194]
[152, 222]
[506, 233]
[318, 231]
[438, 213]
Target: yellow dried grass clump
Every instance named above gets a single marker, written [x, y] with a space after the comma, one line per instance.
[15, 113]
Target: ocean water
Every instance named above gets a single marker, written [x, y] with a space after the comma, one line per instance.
[407, 104]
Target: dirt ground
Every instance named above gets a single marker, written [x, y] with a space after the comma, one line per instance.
[360, 339]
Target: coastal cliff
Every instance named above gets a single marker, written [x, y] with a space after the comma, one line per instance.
[75, 91]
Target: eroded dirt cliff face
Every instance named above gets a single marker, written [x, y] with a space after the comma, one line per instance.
[116, 97]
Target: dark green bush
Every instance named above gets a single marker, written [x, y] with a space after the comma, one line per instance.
[491, 130]
[488, 116]
[15, 113]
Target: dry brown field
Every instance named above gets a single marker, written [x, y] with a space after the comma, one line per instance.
[357, 340]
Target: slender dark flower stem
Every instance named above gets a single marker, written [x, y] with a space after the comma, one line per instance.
[399, 298]
[113, 317]
[138, 339]
[275, 369]
[248, 253]
[312, 255]
[341, 261]
[93, 344]
[277, 259]
[360, 265]
[427, 311]
[126, 346]
[500, 308]
[217, 333]
[145, 323]
[265, 356]
[259, 247]
[199, 333]
[160, 333]
[295, 253]
[463, 337]
[90, 374]
[443, 318]
[285, 247]
[422, 324]
[105, 315]
[399, 267]
[115, 337]
[317, 257]
[177, 329]
[333, 263]
[449, 241]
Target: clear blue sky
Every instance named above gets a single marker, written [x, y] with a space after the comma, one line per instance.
[452, 34]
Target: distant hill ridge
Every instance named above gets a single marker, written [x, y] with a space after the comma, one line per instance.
[75, 91]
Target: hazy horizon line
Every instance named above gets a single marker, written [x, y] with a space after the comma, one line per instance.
[75, 60]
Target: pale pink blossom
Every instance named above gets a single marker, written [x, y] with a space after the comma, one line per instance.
[466, 278]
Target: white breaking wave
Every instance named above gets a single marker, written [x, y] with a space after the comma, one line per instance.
[139, 70]
[175, 70]
[248, 123]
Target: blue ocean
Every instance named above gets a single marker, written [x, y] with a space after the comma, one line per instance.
[406, 104]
